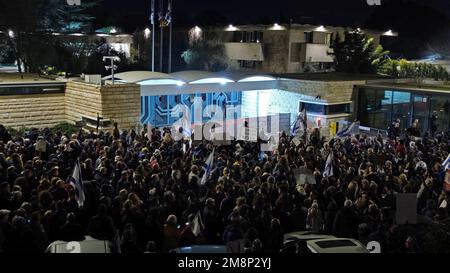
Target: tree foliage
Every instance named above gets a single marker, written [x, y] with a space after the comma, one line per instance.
[404, 69]
[32, 21]
[205, 54]
[357, 53]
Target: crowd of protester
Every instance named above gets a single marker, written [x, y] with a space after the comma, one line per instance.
[144, 191]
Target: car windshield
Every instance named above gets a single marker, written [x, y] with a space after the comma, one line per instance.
[335, 243]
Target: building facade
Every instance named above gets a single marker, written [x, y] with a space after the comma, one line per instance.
[277, 48]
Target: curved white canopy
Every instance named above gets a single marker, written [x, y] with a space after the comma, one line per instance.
[141, 76]
[197, 76]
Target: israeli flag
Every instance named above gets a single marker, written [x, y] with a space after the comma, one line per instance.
[352, 129]
[300, 122]
[446, 163]
[208, 166]
[76, 181]
[328, 171]
[197, 225]
[152, 14]
[446, 174]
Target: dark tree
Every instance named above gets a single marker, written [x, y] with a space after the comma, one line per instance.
[357, 54]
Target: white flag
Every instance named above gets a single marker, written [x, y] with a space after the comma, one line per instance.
[197, 225]
[328, 171]
[76, 181]
[208, 166]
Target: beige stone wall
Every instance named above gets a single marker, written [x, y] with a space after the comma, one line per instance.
[82, 99]
[122, 104]
[119, 103]
[329, 92]
[42, 110]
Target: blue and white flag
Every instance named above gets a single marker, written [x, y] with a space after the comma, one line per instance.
[169, 13]
[208, 167]
[197, 225]
[262, 156]
[76, 181]
[328, 171]
[300, 122]
[446, 174]
[446, 163]
[152, 14]
[352, 129]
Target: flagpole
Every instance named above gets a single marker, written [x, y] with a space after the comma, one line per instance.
[153, 33]
[170, 37]
[161, 44]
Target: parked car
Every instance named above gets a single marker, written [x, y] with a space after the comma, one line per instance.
[201, 249]
[313, 242]
[296, 242]
[336, 245]
[88, 245]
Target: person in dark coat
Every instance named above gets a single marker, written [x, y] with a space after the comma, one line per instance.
[273, 240]
[71, 230]
[346, 222]
[101, 225]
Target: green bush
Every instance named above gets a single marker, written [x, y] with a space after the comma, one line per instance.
[65, 128]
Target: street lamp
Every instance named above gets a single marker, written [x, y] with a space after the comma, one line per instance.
[113, 67]
[147, 32]
[11, 33]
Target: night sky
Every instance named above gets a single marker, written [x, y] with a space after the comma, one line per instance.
[132, 13]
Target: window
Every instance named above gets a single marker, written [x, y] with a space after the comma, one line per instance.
[247, 64]
[338, 109]
[335, 243]
[308, 37]
[313, 108]
[248, 36]
[295, 52]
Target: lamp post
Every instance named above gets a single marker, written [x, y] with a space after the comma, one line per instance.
[112, 66]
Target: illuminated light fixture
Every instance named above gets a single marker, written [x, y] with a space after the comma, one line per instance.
[77, 34]
[320, 29]
[179, 83]
[358, 29]
[231, 28]
[102, 35]
[113, 30]
[277, 26]
[197, 32]
[389, 33]
[257, 41]
[56, 34]
[11, 33]
[147, 32]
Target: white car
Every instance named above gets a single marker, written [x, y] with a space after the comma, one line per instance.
[321, 243]
[88, 245]
[336, 245]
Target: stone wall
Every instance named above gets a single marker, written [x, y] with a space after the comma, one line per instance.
[322, 91]
[120, 103]
[40, 110]
[82, 99]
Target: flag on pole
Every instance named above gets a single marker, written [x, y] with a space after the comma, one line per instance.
[76, 181]
[300, 122]
[328, 171]
[208, 166]
[352, 129]
[197, 225]
[161, 12]
[152, 14]
[169, 13]
[446, 166]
